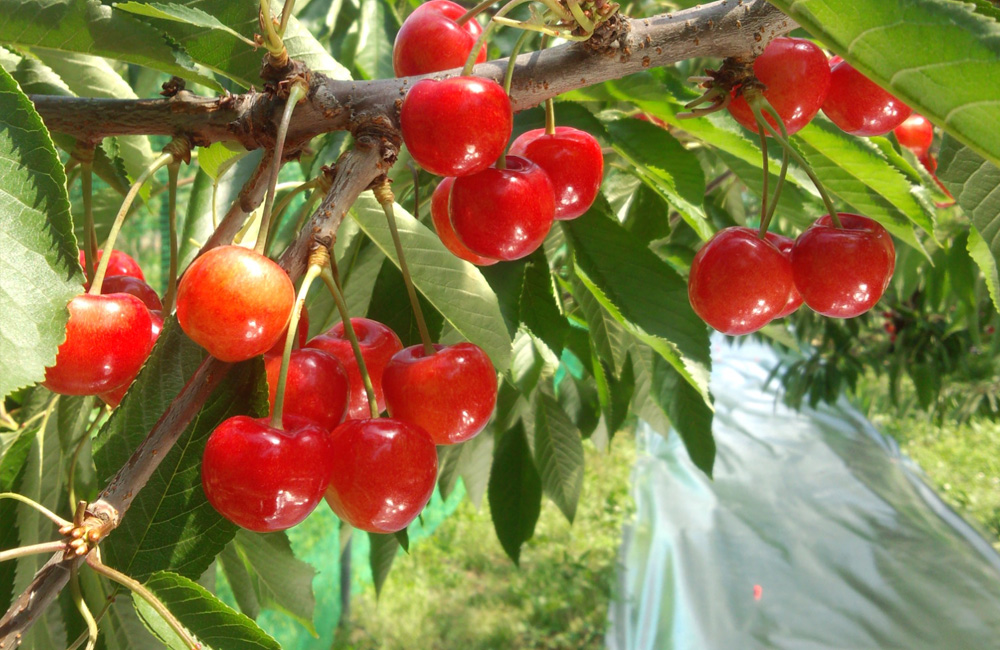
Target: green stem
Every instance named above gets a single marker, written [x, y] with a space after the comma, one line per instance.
[566, 34]
[307, 209]
[100, 617]
[477, 46]
[766, 223]
[293, 325]
[295, 93]
[81, 606]
[338, 298]
[34, 549]
[767, 177]
[272, 41]
[475, 11]
[109, 246]
[581, 18]
[286, 13]
[74, 459]
[89, 233]
[168, 300]
[550, 116]
[416, 189]
[283, 205]
[56, 519]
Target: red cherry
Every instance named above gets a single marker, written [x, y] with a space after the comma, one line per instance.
[114, 397]
[784, 244]
[234, 302]
[431, 40]
[384, 473]
[266, 479]
[378, 343]
[503, 213]
[842, 272]
[300, 336]
[316, 388]
[119, 264]
[859, 106]
[916, 133]
[574, 162]
[739, 282]
[442, 224]
[930, 164]
[133, 286]
[797, 77]
[835, 59]
[456, 126]
[450, 394]
[107, 341]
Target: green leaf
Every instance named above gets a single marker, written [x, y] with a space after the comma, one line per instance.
[210, 620]
[469, 461]
[515, 492]
[179, 13]
[39, 271]
[979, 250]
[539, 311]
[377, 26]
[941, 58]
[383, 550]
[390, 305]
[558, 454]
[170, 524]
[456, 288]
[280, 580]
[13, 464]
[609, 337]
[239, 580]
[567, 114]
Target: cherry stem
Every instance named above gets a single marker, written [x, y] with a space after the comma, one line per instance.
[146, 595]
[565, 34]
[168, 300]
[470, 62]
[109, 246]
[283, 205]
[767, 178]
[53, 517]
[345, 318]
[286, 13]
[89, 233]
[75, 458]
[100, 617]
[550, 117]
[475, 11]
[295, 94]
[33, 549]
[383, 194]
[315, 269]
[581, 18]
[415, 172]
[766, 222]
[272, 41]
[81, 606]
[307, 209]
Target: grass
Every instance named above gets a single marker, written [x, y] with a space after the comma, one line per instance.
[457, 588]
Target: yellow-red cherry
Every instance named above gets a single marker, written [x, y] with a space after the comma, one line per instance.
[316, 386]
[431, 40]
[121, 263]
[859, 106]
[574, 162]
[442, 224]
[114, 397]
[916, 133]
[133, 286]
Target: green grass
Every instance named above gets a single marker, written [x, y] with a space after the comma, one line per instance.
[457, 588]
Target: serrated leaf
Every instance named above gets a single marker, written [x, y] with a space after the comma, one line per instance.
[456, 288]
[515, 492]
[940, 58]
[383, 549]
[281, 580]
[170, 524]
[979, 250]
[558, 454]
[13, 464]
[39, 271]
[539, 311]
[377, 26]
[608, 335]
[469, 461]
[218, 157]
[211, 621]
[390, 305]
[178, 13]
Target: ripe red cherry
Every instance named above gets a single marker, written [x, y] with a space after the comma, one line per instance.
[384, 473]
[107, 341]
[456, 126]
[784, 244]
[133, 286]
[431, 40]
[503, 213]
[859, 106]
[266, 479]
[574, 162]
[739, 282]
[916, 133]
[114, 397]
[930, 164]
[234, 302]
[316, 387]
[378, 343]
[842, 272]
[300, 335]
[119, 264]
[797, 77]
[442, 224]
[450, 394]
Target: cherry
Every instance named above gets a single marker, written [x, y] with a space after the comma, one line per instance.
[119, 264]
[842, 272]
[442, 224]
[739, 282]
[316, 387]
[449, 394]
[378, 343]
[384, 473]
[114, 397]
[916, 133]
[784, 244]
[266, 479]
[430, 40]
[107, 341]
[574, 162]
[930, 164]
[134, 286]
[503, 213]
[859, 106]
[456, 126]
[797, 76]
[300, 335]
[234, 302]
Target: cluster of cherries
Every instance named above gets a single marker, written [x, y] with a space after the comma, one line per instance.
[490, 206]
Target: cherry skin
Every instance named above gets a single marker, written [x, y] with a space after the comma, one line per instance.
[842, 272]
[266, 479]
[133, 286]
[930, 164]
[784, 244]
[739, 282]
[430, 40]
[442, 224]
[316, 387]
[384, 473]
[107, 341]
[859, 106]
[114, 397]
[120, 264]
[797, 77]
[916, 133]
[378, 343]
[456, 126]
[449, 394]
[504, 214]
[574, 162]
[234, 302]
[301, 335]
